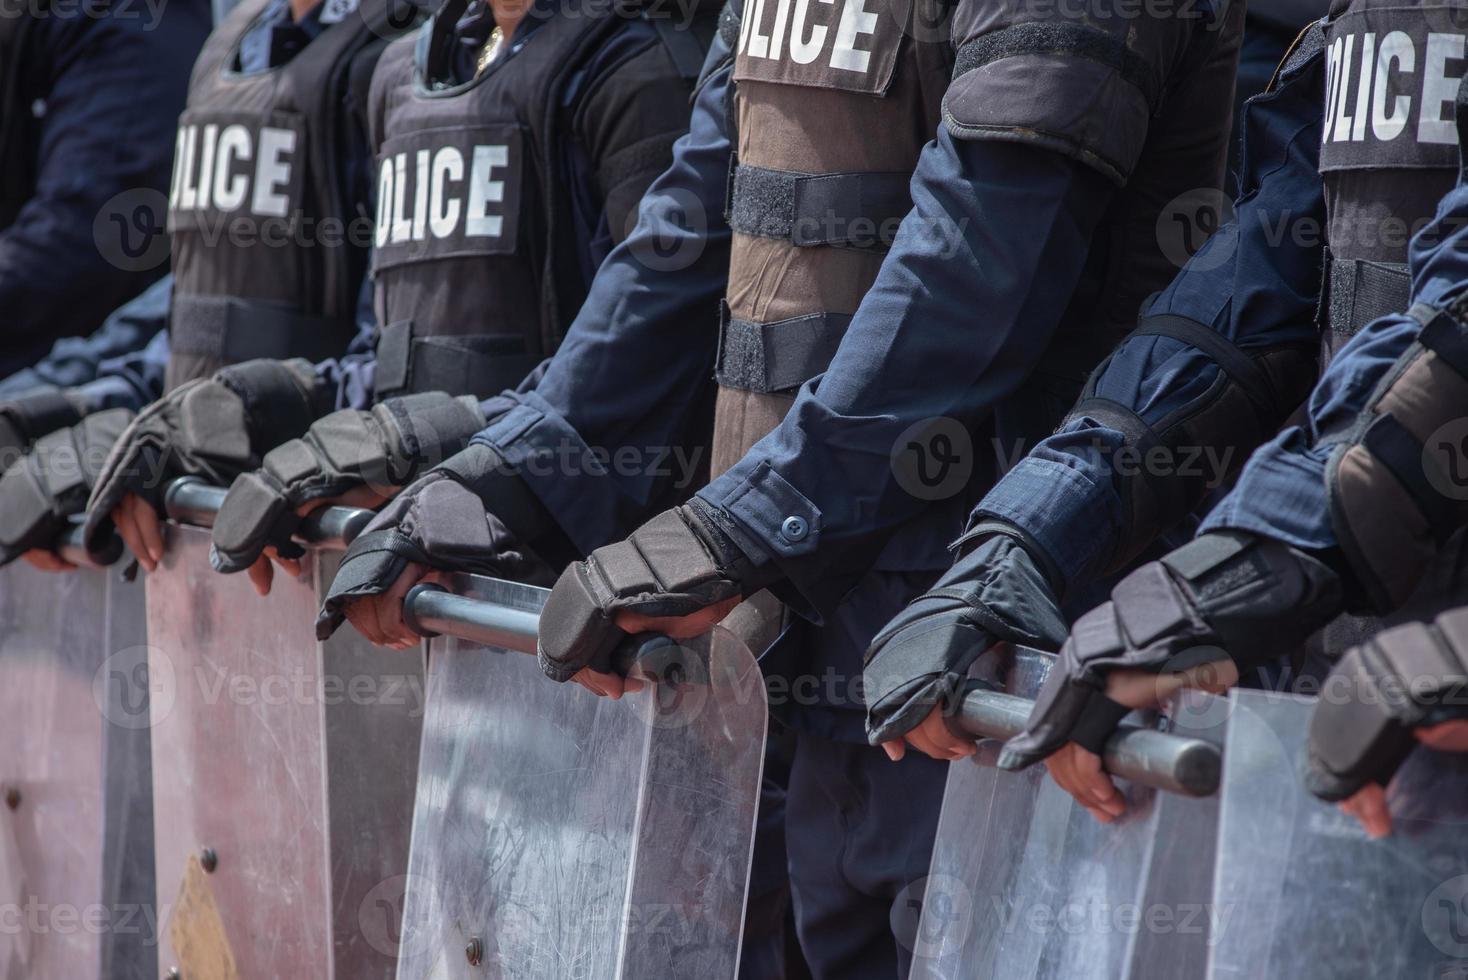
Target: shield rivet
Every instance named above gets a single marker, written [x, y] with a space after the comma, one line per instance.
[474, 952]
[12, 797]
[173, 974]
[208, 860]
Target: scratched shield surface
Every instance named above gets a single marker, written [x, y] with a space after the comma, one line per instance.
[1026, 885]
[561, 836]
[1306, 892]
[76, 876]
[284, 772]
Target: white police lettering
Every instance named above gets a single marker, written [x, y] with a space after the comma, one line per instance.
[438, 201]
[226, 168]
[1382, 85]
[804, 28]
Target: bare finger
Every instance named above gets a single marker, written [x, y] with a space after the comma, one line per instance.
[47, 561]
[261, 574]
[149, 528]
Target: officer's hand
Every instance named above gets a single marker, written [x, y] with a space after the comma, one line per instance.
[1398, 689]
[262, 572]
[1222, 597]
[694, 624]
[354, 457]
[678, 573]
[442, 521]
[1078, 770]
[994, 592]
[47, 561]
[1369, 804]
[212, 428]
[40, 494]
[611, 685]
[931, 737]
[27, 417]
[141, 530]
[380, 617]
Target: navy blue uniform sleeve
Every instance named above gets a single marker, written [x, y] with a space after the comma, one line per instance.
[635, 371]
[958, 317]
[112, 88]
[1256, 282]
[133, 380]
[75, 361]
[1282, 492]
[352, 374]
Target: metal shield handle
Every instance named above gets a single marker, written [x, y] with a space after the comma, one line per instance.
[190, 500]
[432, 610]
[1177, 764]
[71, 546]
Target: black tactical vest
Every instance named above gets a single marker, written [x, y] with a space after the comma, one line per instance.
[834, 103]
[266, 261]
[1389, 150]
[475, 264]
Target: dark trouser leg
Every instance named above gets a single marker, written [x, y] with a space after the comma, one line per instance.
[860, 835]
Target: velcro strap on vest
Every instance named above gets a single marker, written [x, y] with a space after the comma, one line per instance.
[1443, 333]
[850, 210]
[470, 365]
[730, 22]
[1074, 40]
[236, 330]
[1398, 450]
[1360, 292]
[778, 356]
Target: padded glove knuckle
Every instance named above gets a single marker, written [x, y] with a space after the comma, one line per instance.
[575, 628]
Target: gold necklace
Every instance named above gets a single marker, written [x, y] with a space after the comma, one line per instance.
[490, 49]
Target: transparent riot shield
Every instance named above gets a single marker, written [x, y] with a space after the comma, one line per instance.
[283, 773]
[1026, 885]
[1305, 893]
[562, 836]
[76, 835]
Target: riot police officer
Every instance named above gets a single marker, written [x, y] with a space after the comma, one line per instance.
[484, 246]
[270, 184]
[1346, 510]
[862, 254]
[88, 97]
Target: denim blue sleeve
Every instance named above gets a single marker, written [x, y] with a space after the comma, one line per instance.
[75, 361]
[111, 88]
[1256, 282]
[635, 371]
[965, 304]
[132, 380]
[354, 372]
[1282, 492]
